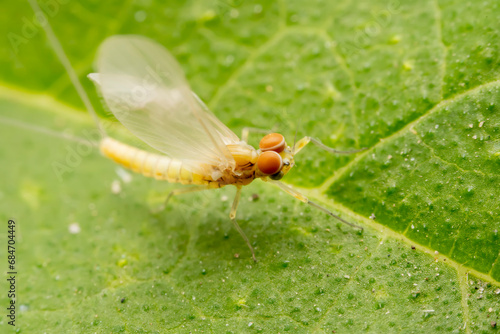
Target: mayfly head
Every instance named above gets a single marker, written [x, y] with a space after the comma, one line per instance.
[275, 158]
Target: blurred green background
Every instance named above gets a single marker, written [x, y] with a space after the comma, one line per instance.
[417, 83]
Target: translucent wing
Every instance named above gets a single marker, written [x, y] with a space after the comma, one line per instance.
[145, 88]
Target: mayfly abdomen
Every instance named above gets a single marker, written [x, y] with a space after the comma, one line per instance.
[150, 164]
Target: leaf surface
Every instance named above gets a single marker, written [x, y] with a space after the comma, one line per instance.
[417, 84]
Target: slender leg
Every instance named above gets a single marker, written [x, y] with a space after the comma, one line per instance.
[306, 140]
[178, 192]
[232, 215]
[246, 131]
[300, 197]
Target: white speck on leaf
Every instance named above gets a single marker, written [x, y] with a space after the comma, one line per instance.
[116, 187]
[74, 228]
[124, 175]
[140, 16]
[234, 13]
[229, 60]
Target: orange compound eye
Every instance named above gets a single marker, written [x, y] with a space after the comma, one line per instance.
[269, 162]
[272, 142]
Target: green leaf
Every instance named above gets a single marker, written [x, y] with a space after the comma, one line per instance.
[417, 84]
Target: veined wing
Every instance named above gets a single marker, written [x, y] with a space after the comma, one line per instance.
[145, 88]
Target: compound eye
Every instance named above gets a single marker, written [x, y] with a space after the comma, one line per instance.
[269, 162]
[272, 142]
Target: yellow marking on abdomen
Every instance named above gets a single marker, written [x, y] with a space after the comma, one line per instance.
[151, 164]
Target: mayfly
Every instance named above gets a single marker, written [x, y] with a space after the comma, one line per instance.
[146, 90]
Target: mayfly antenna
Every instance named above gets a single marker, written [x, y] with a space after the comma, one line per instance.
[295, 137]
[61, 55]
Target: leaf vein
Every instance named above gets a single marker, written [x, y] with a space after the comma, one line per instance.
[351, 280]
[433, 153]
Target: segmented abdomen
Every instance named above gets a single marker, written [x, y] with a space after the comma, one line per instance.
[152, 165]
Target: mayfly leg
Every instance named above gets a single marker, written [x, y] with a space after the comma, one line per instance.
[306, 140]
[232, 215]
[301, 197]
[179, 192]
